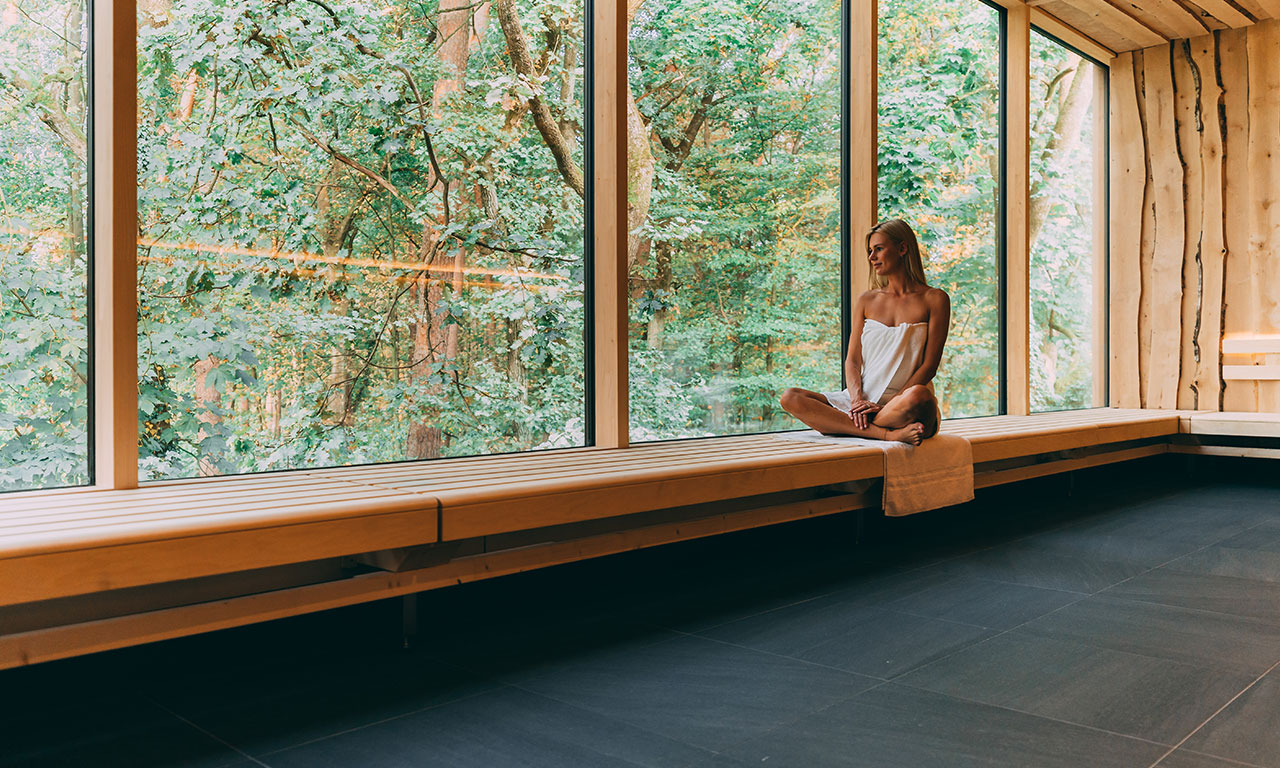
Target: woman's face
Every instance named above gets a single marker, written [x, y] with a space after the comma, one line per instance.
[885, 255]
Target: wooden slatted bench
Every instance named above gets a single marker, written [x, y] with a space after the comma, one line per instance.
[82, 570]
[1229, 433]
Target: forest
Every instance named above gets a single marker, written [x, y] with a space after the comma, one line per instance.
[361, 224]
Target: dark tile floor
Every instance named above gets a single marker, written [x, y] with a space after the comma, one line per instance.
[1126, 620]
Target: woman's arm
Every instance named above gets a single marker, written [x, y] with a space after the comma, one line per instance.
[853, 359]
[939, 304]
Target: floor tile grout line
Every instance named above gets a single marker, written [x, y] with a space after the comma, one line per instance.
[1206, 611]
[776, 655]
[1220, 710]
[985, 640]
[1162, 565]
[392, 718]
[708, 750]
[1050, 718]
[1230, 760]
[205, 731]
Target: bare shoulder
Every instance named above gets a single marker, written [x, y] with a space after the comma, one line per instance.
[936, 298]
[866, 297]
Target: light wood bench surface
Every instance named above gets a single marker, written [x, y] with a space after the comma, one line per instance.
[57, 544]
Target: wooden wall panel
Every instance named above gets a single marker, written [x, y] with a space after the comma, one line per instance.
[1168, 209]
[1195, 217]
[1128, 180]
[1190, 127]
[1237, 300]
[1263, 52]
[1208, 323]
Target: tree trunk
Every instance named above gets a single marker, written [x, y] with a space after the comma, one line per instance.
[1073, 105]
[425, 438]
[208, 403]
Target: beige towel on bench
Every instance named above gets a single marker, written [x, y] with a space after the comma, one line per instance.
[936, 473]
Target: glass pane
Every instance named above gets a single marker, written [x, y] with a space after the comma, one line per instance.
[356, 244]
[44, 187]
[939, 170]
[1062, 226]
[734, 212]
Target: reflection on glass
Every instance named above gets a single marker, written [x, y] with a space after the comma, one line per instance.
[1062, 224]
[939, 103]
[44, 183]
[361, 231]
[734, 152]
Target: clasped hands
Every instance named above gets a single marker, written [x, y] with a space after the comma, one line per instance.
[862, 412]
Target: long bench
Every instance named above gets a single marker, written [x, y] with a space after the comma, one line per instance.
[84, 570]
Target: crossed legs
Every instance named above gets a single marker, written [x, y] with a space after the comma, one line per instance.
[898, 420]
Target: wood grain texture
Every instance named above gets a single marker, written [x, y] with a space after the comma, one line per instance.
[1088, 25]
[115, 232]
[1043, 20]
[1189, 122]
[1213, 248]
[1127, 25]
[1207, 260]
[1128, 182]
[1168, 17]
[1167, 236]
[863, 142]
[1017, 212]
[1263, 51]
[609, 207]
[1269, 7]
[1225, 12]
[1233, 71]
[1104, 15]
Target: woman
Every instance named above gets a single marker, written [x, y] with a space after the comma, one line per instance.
[899, 329]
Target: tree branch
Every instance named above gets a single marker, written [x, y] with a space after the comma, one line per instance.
[518, 48]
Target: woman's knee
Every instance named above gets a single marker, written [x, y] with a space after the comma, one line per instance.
[916, 395]
[791, 398]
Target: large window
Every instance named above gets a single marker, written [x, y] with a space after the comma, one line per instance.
[1066, 96]
[361, 231]
[939, 108]
[44, 185]
[364, 228]
[734, 212]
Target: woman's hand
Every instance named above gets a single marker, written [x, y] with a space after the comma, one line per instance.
[862, 412]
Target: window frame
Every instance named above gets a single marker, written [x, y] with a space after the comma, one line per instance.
[112, 215]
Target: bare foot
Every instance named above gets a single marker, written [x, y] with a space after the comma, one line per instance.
[912, 434]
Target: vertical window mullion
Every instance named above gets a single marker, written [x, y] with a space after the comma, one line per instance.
[114, 109]
[609, 224]
[1016, 192]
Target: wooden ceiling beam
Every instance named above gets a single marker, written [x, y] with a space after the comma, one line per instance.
[1225, 12]
[1270, 7]
[1047, 22]
[1119, 21]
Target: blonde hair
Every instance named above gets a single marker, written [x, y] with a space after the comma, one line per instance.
[900, 233]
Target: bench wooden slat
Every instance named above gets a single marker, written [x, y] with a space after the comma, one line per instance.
[195, 503]
[496, 476]
[1233, 424]
[282, 507]
[113, 564]
[481, 513]
[1251, 372]
[1251, 345]
[204, 526]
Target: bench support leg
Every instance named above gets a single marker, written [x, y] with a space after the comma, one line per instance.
[409, 619]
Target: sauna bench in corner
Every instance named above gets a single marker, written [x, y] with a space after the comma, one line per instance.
[86, 570]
